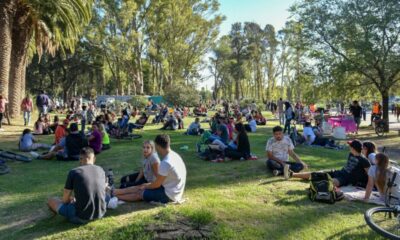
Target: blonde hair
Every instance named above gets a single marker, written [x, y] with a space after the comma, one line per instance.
[151, 143]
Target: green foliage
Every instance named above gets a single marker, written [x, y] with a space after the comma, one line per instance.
[182, 95]
[139, 101]
[200, 217]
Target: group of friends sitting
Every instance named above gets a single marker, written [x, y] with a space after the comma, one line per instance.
[364, 167]
[89, 191]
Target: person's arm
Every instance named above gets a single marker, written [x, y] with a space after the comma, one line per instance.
[154, 185]
[155, 167]
[368, 190]
[273, 158]
[140, 175]
[67, 196]
[296, 158]
[91, 138]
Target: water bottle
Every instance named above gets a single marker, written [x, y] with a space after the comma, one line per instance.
[186, 147]
[110, 177]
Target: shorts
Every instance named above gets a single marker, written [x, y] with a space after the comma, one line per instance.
[342, 176]
[156, 195]
[68, 211]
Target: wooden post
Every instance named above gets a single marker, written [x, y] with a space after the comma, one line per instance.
[7, 114]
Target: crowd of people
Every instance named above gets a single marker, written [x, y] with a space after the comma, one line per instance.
[86, 131]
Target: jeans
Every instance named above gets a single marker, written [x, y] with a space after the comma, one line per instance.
[294, 166]
[1, 118]
[83, 126]
[27, 117]
[42, 109]
[287, 126]
[213, 137]
[281, 117]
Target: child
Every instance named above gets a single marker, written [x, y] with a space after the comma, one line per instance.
[40, 127]
[377, 175]
[369, 151]
[28, 142]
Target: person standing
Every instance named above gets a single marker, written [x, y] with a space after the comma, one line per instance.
[42, 102]
[376, 111]
[280, 112]
[3, 103]
[289, 115]
[356, 111]
[27, 108]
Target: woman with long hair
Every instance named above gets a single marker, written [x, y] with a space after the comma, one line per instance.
[242, 142]
[369, 151]
[377, 175]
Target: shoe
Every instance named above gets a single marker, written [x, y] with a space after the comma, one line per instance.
[286, 170]
[198, 147]
[113, 203]
[34, 154]
[276, 172]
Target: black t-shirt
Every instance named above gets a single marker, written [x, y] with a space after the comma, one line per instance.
[355, 167]
[88, 183]
[75, 142]
[356, 111]
[243, 144]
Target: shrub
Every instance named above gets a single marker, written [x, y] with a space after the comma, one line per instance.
[182, 95]
[139, 101]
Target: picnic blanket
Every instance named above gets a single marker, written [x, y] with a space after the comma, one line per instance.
[352, 193]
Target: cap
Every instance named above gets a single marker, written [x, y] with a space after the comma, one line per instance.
[356, 144]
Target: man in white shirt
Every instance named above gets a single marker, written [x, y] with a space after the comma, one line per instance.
[278, 149]
[171, 179]
[308, 133]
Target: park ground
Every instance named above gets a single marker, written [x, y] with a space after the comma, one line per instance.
[238, 199]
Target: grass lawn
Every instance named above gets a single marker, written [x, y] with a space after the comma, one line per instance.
[242, 200]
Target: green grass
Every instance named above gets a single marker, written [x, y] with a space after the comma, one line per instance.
[242, 200]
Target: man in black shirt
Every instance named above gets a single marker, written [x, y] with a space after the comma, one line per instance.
[84, 192]
[356, 110]
[355, 172]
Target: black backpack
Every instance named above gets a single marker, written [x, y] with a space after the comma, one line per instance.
[322, 189]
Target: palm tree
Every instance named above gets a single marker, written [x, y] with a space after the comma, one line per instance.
[51, 25]
[7, 8]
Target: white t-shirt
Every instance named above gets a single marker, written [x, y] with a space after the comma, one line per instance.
[173, 168]
[148, 167]
[253, 125]
[371, 158]
[281, 148]
[308, 131]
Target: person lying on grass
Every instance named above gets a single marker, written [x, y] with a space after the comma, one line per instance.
[84, 196]
[69, 147]
[278, 149]
[377, 176]
[170, 182]
[355, 171]
[149, 172]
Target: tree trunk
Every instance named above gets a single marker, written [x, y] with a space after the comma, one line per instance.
[385, 105]
[7, 9]
[21, 35]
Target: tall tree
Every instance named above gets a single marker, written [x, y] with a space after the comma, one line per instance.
[362, 33]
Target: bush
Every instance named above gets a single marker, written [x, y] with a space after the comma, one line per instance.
[245, 102]
[182, 95]
[139, 101]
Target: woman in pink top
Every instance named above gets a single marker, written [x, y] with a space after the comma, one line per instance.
[27, 107]
[3, 102]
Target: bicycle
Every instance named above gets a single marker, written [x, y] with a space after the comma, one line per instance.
[7, 155]
[4, 169]
[380, 126]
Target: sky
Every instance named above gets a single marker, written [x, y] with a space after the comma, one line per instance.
[263, 12]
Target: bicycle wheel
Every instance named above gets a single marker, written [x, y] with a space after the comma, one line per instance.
[384, 221]
[134, 136]
[14, 156]
[380, 131]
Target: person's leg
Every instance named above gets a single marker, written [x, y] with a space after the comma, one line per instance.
[234, 154]
[131, 178]
[25, 117]
[274, 165]
[295, 167]
[304, 175]
[36, 146]
[155, 195]
[83, 126]
[54, 204]
[247, 127]
[221, 145]
[48, 156]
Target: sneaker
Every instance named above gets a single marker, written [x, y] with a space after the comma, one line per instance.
[34, 154]
[113, 203]
[276, 172]
[286, 172]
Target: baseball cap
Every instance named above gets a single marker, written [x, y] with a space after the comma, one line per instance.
[356, 144]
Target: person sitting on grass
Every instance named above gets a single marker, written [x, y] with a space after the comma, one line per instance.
[171, 123]
[252, 124]
[369, 151]
[40, 128]
[95, 139]
[149, 172]
[69, 147]
[28, 142]
[260, 119]
[377, 176]
[308, 134]
[278, 149]
[84, 197]
[241, 147]
[195, 128]
[60, 131]
[355, 171]
[54, 125]
[106, 138]
[170, 182]
[139, 123]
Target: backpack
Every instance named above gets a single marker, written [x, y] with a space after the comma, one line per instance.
[392, 192]
[322, 189]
